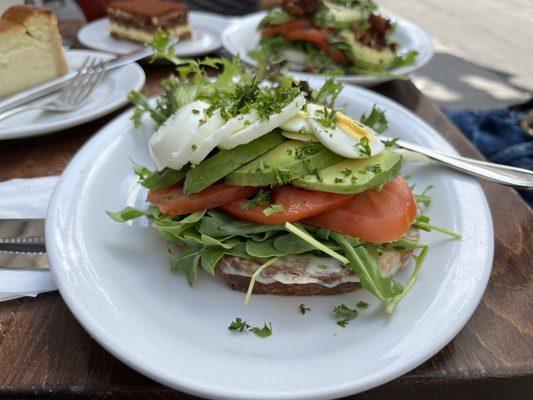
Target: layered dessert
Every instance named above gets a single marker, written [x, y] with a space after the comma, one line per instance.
[140, 20]
[31, 51]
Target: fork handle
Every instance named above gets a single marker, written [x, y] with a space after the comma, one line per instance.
[511, 176]
[16, 110]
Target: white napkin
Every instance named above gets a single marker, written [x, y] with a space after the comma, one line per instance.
[25, 198]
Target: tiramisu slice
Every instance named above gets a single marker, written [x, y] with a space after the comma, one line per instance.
[138, 20]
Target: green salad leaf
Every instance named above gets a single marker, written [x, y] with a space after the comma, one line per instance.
[376, 119]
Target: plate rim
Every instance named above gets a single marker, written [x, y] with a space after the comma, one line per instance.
[80, 35]
[73, 169]
[363, 80]
[32, 131]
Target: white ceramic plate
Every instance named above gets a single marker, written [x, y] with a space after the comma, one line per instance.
[204, 40]
[115, 278]
[110, 94]
[242, 36]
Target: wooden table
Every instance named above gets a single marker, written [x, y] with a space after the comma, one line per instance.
[45, 353]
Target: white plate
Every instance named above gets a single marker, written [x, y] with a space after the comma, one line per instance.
[205, 39]
[116, 280]
[242, 36]
[110, 94]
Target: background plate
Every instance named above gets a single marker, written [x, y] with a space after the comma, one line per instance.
[204, 40]
[114, 88]
[116, 280]
[242, 36]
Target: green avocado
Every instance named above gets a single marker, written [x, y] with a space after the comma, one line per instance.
[365, 57]
[354, 176]
[290, 160]
[218, 166]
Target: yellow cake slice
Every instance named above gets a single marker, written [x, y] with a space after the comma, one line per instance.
[30, 49]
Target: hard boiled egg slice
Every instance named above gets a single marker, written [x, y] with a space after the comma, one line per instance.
[212, 139]
[298, 128]
[346, 136]
[178, 138]
[302, 137]
[262, 127]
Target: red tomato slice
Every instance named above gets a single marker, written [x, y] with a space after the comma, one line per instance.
[298, 204]
[319, 37]
[374, 216]
[286, 27]
[173, 201]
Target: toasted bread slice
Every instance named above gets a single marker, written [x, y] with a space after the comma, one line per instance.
[306, 274]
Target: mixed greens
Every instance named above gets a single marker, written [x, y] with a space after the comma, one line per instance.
[270, 164]
[330, 36]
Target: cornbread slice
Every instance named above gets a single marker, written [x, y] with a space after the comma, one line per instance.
[30, 49]
[138, 20]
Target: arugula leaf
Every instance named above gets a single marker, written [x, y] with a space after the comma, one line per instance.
[423, 222]
[263, 249]
[210, 256]
[186, 262]
[419, 260]
[315, 243]
[376, 119]
[292, 244]
[263, 198]
[275, 17]
[344, 314]
[255, 276]
[163, 178]
[127, 214]
[263, 332]
[365, 263]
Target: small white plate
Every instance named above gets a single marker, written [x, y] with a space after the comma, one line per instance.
[204, 40]
[115, 279]
[242, 36]
[110, 94]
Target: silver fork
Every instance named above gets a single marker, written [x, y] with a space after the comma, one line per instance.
[74, 94]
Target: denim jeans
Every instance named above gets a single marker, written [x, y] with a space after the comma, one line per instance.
[498, 136]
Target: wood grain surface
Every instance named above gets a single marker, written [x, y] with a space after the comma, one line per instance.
[44, 353]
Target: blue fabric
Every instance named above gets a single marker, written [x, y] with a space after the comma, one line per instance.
[498, 136]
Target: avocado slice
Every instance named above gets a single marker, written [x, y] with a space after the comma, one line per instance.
[289, 160]
[365, 57]
[355, 175]
[218, 166]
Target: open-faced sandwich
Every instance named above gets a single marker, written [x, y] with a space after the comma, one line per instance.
[269, 186]
[347, 37]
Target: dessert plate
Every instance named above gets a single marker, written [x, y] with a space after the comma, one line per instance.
[242, 36]
[205, 37]
[114, 88]
[115, 278]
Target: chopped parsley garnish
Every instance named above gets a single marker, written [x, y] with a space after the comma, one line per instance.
[338, 180]
[283, 176]
[362, 304]
[263, 165]
[375, 168]
[289, 152]
[390, 142]
[346, 171]
[264, 332]
[344, 314]
[354, 180]
[303, 309]
[376, 120]
[195, 111]
[240, 326]
[194, 147]
[308, 149]
[273, 209]
[263, 198]
[364, 146]
[330, 90]
[326, 117]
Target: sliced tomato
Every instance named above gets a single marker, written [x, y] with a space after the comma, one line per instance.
[274, 30]
[319, 37]
[297, 203]
[173, 201]
[374, 216]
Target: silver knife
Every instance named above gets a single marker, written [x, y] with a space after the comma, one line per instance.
[56, 84]
[23, 261]
[22, 244]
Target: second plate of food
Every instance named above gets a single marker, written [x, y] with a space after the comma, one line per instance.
[356, 45]
[204, 37]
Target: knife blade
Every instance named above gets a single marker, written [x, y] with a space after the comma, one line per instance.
[23, 261]
[22, 231]
[56, 84]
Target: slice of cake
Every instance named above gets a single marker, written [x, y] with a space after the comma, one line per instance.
[138, 20]
[30, 49]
